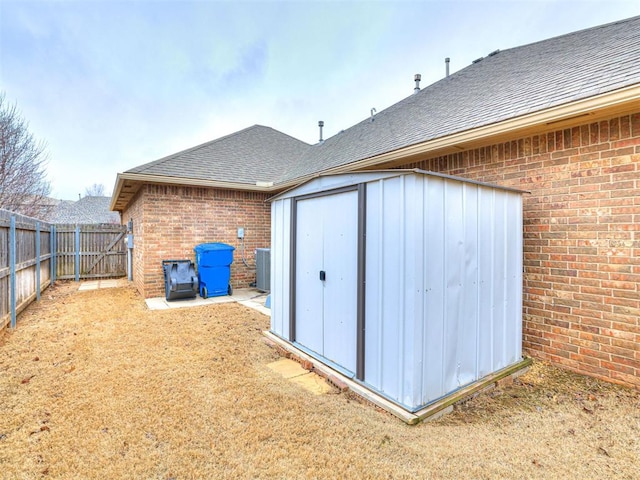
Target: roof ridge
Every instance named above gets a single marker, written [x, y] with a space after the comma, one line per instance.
[166, 158]
[161, 160]
[569, 34]
[285, 134]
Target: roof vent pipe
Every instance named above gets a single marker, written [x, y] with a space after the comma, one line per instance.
[417, 78]
[446, 63]
[321, 124]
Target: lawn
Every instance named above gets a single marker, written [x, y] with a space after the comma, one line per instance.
[94, 385]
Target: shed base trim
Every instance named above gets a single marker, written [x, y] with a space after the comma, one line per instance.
[441, 406]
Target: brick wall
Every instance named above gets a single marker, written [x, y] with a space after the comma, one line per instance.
[169, 221]
[581, 240]
[134, 212]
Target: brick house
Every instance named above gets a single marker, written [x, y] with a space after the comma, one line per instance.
[559, 118]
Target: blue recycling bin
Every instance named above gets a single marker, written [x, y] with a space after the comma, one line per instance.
[214, 268]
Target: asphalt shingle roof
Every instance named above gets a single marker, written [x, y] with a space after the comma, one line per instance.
[87, 210]
[504, 85]
[254, 154]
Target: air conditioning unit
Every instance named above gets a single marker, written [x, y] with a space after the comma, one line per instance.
[263, 269]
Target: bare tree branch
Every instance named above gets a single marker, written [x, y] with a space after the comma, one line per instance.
[23, 182]
[95, 190]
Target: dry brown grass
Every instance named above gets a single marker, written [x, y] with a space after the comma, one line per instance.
[93, 385]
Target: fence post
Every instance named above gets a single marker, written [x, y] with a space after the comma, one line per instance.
[53, 247]
[77, 263]
[38, 260]
[12, 268]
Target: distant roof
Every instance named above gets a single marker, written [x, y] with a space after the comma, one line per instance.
[503, 85]
[86, 210]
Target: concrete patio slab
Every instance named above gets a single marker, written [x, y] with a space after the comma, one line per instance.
[105, 283]
[287, 368]
[291, 370]
[312, 383]
[249, 297]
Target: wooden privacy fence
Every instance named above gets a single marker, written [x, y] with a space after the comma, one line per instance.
[90, 251]
[25, 263]
[33, 254]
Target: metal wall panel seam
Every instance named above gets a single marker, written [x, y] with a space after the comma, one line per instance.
[283, 272]
[277, 304]
[493, 276]
[465, 267]
[444, 289]
[381, 222]
[422, 318]
[472, 207]
[322, 288]
[292, 270]
[361, 279]
[286, 258]
[505, 275]
[402, 266]
[413, 312]
[478, 253]
[274, 259]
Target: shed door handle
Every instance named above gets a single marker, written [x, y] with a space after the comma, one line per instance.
[323, 275]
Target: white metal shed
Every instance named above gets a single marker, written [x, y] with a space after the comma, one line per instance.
[406, 281]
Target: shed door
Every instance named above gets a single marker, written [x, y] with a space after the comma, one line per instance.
[326, 310]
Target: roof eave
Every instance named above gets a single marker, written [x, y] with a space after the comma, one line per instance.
[138, 179]
[617, 101]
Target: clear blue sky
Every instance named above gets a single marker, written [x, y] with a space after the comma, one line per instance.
[110, 85]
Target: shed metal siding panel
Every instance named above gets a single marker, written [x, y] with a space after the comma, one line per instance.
[384, 320]
[414, 286]
[374, 275]
[468, 341]
[486, 262]
[433, 237]
[280, 263]
[453, 256]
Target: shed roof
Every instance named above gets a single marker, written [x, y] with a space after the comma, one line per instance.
[331, 181]
[504, 85]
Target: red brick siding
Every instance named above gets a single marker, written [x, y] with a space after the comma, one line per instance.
[170, 220]
[581, 240]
